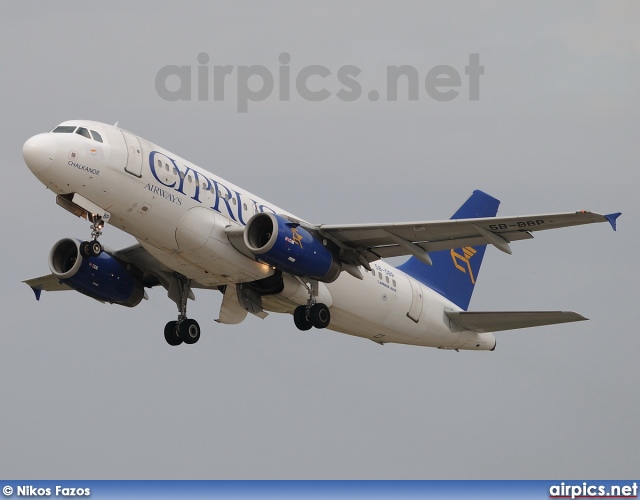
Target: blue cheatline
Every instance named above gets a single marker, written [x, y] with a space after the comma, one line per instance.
[454, 273]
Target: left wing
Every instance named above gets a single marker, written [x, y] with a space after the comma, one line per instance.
[153, 271]
[47, 283]
[365, 243]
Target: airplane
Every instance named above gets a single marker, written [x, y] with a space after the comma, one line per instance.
[195, 230]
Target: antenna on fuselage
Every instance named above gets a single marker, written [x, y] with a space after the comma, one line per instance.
[115, 124]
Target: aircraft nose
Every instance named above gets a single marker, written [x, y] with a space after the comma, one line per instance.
[39, 152]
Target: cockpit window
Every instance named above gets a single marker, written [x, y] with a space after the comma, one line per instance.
[83, 132]
[64, 129]
[96, 136]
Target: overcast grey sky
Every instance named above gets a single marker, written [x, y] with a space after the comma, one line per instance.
[93, 391]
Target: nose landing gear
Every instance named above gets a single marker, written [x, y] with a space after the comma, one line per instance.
[93, 248]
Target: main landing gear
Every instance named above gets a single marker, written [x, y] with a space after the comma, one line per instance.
[93, 248]
[306, 317]
[312, 314]
[184, 329]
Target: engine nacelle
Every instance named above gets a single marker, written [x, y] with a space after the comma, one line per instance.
[102, 278]
[291, 248]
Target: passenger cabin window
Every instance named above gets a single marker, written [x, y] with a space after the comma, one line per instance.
[96, 136]
[83, 132]
[64, 129]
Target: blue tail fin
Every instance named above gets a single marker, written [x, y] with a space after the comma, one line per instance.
[454, 272]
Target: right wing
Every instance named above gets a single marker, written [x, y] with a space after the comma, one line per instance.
[369, 242]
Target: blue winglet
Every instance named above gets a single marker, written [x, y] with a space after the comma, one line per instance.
[37, 291]
[612, 219]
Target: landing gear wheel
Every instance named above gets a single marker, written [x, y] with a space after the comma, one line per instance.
[320, 316]
[90, 248]
[190, 331]
[184, 330]
[300, 319]
[170, 334]
[96, 248]
[85, 249]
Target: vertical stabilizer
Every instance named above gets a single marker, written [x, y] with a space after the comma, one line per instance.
[454, 272]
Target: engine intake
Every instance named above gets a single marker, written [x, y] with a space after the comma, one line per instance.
[103, 278]
[290, 248]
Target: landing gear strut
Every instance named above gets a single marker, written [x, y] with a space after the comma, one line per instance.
[93, 248]
[312, 314]
[184, 329]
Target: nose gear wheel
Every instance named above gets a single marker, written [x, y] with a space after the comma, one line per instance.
[93, 248]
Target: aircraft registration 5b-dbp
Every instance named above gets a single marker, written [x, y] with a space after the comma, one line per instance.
[195, 230]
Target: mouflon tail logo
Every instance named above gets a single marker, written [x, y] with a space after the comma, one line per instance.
[467, 253]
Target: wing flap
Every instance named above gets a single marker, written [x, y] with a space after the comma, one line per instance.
[436, 246]
[483, 322]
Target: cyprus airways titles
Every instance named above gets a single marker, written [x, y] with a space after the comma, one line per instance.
[195, 230]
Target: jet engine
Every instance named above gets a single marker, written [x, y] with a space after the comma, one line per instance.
[289, 247]
[103, 278]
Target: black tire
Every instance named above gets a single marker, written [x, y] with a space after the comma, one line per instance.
[85, 249]
[170, 334]
[96, 248]
[320, 316]
[190, 331]
[300, 320]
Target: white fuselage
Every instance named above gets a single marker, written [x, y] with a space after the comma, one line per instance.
[178, 212]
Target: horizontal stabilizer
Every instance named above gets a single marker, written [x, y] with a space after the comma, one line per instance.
[497, 321]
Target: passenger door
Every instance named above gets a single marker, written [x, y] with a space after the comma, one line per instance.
[134, 154]
[416, 301]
